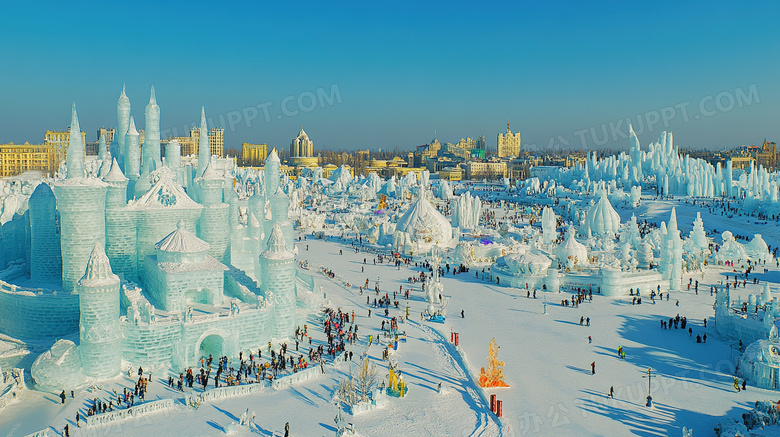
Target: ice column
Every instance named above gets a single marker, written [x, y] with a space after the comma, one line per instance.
[278, 273]
[45, 256]
[100, 339]
[152, 133]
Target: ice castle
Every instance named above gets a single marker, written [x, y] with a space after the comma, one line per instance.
[145, 262]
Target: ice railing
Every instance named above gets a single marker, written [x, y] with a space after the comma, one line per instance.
[5, 287]
[129, 413]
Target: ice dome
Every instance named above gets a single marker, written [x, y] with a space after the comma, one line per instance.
[526, 263]
[59, 368]
[423, 222]
[602, 219]
[572, 250]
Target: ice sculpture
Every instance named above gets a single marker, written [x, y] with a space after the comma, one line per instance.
[549, 225]
[467, 211]
[571, 252]
[100, 341]
[425, 226]
[602, 219]
[59, 368]
[671, 253]
[494, 375]
[699, 235]
[278, 283]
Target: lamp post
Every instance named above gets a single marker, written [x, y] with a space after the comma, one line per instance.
[649, 376]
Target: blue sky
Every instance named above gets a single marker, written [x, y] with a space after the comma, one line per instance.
[383, 74]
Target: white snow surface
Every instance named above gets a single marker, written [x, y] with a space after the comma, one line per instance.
[547, 362]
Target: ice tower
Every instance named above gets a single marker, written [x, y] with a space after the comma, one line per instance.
[132, 157]
[213, 226]
[120, 226]
[152, 132]
[278, 273]
[81, 203]
[123, 122]
[45, 256]
[100, 339]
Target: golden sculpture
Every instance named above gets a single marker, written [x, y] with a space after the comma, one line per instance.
[494, 376]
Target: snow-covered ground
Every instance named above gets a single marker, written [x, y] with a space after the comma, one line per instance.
[547, 358]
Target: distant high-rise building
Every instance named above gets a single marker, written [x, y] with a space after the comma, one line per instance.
[508, 143]
[254, 154]
[109, 133]
[60, 140]
[189, 145]
[18, 158]
[301, 146]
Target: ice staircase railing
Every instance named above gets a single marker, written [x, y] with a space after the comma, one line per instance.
[15, 289]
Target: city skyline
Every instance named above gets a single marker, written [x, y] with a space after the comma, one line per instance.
[389, 76]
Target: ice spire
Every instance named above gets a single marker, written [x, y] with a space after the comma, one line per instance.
[75, 154]
[98, 268]
[123, 120]
[204, 152]
[151, 147]
[673, 221]
[132, 158]
[276, 243]
[102, 148]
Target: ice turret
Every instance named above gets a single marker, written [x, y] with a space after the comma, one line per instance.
[152, 133]
[81, 203]
[204, 151]
[100, 339]
[75, 155]
[278, 278]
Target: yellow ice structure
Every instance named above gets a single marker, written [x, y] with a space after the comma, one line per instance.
[494, 376]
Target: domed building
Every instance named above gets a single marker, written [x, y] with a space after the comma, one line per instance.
[302, 151]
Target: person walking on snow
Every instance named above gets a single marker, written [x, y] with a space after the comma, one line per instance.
[593, 368]
[611, 392]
